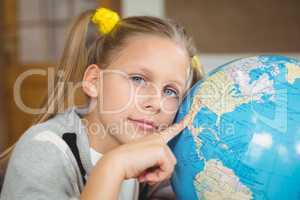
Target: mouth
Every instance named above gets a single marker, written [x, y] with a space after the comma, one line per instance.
[143, 124]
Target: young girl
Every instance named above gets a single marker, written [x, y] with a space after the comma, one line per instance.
[135, 74]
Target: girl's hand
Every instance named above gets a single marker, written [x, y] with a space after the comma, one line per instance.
[148, 159]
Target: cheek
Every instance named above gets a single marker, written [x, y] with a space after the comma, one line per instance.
[169, 109]
[116, 94]
[170, 106]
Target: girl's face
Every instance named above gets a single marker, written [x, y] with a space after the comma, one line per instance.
[142, 88]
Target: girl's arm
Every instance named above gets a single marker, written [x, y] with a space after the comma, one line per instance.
[129, 161]
[133, 160]
[104, 182]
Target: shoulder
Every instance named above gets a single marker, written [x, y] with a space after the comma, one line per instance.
[43, 146]
[41, 165]
[50, 131]
[41, 154]
[46, 133]
[42, 160]
[39, 145]
[43, 142]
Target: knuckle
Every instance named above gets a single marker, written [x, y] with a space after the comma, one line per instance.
[161, 149]
[167, 151]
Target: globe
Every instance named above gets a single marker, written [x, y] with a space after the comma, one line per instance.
[243, 140]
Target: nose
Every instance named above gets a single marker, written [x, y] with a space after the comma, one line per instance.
[150, 101]
[152, 106]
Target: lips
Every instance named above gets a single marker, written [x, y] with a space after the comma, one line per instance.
[143, 124]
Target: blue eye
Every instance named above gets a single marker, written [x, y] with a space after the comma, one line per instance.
[138, 79]
[170, 92]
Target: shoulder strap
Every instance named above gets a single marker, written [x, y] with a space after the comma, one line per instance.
[144, 188]
[70, 139]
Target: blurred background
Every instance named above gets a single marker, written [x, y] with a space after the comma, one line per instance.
[32, 35]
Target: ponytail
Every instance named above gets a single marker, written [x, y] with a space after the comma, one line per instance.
[71, 67]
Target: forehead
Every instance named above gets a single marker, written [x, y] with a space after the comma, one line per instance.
[159, 56]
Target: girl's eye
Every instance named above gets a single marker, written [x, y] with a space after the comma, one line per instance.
[171, 92]
[138, 79]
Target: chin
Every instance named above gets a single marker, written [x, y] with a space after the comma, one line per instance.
[136, 135]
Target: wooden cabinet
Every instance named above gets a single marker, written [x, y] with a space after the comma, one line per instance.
[222, 26]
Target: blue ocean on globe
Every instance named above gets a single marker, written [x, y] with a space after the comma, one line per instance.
[243, 141]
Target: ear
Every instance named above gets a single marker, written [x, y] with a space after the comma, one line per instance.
[91, 80]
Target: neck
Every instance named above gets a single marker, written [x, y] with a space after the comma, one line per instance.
[99, 139]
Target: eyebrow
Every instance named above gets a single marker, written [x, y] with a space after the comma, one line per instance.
[149, 73]
[146, 71]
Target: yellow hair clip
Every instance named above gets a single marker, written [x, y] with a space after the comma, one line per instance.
[195, 62]
[105, 19]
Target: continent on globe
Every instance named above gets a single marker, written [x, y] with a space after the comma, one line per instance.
[217, 182]
[293, 72]
[218, 95]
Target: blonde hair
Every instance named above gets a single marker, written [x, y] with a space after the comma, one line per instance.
[80, 52]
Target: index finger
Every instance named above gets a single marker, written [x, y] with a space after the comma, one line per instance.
[175, 129]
